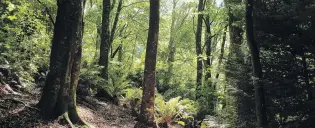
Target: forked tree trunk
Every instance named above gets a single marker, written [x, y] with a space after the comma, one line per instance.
[256, 65]
[147, 106]
[59, 93]
[107, 36]
[199, 50]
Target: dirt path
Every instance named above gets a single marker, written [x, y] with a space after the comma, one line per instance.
[19, 112]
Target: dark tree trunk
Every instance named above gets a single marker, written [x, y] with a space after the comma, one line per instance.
[221, 52]
[257, 71]
[171, 47]
[198, 49]
[59, 94]
[107, 36]
[149, 80]
[105, 40]
[208, 50]
[222, 49]
[113, 31]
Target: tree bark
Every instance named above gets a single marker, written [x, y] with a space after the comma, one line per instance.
[208, 50]
[256, 65]
[221, 53]
[198, 49]
[147, 106]
[113, 31]
[222, 49]
[105, 40]
[58, 96]
[171, 46]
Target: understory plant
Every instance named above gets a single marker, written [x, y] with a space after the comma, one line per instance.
[175, 110]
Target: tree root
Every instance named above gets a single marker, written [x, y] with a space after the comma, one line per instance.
[82, 123]
[21, 102]
[66, 116]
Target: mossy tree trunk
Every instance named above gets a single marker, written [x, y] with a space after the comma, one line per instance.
[105, 39]
[171, 47]
[198, 49]
[147, 106]
[208, 44]
[59, 93]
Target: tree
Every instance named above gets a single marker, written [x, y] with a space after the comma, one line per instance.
[256, 66]
[171, 46]
[208, 44]
[59, 93]
[107, 35]
[198, 48]
[105, 39]
[149, 79]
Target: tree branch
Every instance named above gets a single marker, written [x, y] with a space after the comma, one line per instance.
[134, 4]
[48, 12]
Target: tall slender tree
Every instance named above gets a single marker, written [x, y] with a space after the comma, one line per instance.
[59, 94]
[171, 46]
[105, 39]
[149, 79]
[208, 44]
[198, 48]
[256, 65]
[107, 35]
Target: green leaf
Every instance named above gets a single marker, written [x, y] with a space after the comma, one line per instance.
[12, 17]
[181, 123]
[11, 7]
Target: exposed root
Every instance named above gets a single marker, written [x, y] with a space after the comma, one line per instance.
[66, 116]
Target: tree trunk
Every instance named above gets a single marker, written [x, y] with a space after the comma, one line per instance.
[198, 49]
[105, 40]
[113, 31]
[149, 80]
[257, 71]
[208, 51]
[221, 53]
[171, 47]
[58, 96]
[219, 67]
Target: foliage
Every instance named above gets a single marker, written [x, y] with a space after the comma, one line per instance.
[24, 40]
[131, 94]
[174, 110]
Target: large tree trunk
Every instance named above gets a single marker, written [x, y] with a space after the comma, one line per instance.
[149, 80]
[105, 40]
[257, 71]
[198, 49]
[58, 96]
[171, 47]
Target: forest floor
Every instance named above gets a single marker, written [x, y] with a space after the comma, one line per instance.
[18, 111]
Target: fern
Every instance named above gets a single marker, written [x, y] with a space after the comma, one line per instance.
[174, 110]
